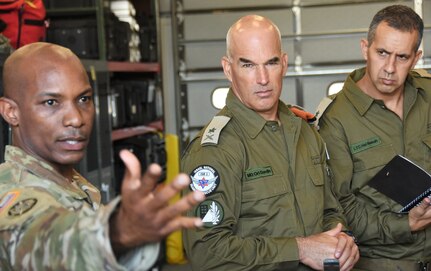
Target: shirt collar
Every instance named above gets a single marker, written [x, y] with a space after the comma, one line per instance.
[361, 101]
[251, 121]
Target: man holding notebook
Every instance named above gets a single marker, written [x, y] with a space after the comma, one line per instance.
[383, 110]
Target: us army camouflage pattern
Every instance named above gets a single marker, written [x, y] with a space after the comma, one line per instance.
[50, 223]
[362, 135]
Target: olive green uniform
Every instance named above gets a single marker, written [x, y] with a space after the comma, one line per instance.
[362, 135]
[272, 187]
[50, 223]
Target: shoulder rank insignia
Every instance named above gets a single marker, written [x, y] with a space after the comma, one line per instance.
[22, 207]
[212, 132]
[323, 105]
[423, 73]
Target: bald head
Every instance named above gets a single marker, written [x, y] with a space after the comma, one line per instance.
[249, 27]
[25, 64]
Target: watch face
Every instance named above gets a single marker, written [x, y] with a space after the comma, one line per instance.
[331, 265]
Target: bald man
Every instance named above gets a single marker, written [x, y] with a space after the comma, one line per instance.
[51, 217]
[269, 201]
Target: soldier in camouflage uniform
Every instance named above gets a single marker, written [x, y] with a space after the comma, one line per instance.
[383, 110]
[51, 218]
[263, 170]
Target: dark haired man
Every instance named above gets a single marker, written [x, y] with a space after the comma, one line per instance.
[383, 109]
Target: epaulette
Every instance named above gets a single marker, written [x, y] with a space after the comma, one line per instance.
[323, 105]
[423, 73]
[300, 112]
[213, 130]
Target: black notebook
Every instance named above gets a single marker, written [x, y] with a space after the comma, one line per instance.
[403, 181]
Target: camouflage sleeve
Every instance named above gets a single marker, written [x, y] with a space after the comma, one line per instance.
[38, 233]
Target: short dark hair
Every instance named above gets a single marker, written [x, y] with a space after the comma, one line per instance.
[399, 17]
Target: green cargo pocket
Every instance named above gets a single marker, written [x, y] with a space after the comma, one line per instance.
[316, 174]
[263, 188]
[372, 158]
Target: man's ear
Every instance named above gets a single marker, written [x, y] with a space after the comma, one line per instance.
[225, 62]
[364, 48]
[9, 111]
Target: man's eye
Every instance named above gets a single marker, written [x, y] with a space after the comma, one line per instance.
[382, 53]
[247, 65]
[85, 99]
[50, 102]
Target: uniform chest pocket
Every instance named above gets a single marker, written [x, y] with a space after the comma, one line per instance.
[316, 174]
[372, 158]
[263, 188]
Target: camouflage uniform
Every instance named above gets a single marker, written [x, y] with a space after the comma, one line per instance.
[265, 184]
[50, 223]
[362, 136]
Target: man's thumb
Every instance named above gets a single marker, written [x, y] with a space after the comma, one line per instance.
[335, 231]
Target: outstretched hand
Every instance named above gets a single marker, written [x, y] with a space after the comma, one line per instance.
[145, 214]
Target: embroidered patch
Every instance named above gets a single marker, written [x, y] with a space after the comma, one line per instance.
[205, 179]
[211, 212]
[364, 145]
[8, 199]
[22, 207]
[255, 173]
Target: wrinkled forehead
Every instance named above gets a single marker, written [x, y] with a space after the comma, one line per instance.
[256, 44]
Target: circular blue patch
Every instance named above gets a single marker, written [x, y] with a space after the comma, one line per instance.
[205, 179]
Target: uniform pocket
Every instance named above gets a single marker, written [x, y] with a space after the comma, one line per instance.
[316, 174]
[263, 188]
[372, 158]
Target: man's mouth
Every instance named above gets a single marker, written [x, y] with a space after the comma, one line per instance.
[73, 143]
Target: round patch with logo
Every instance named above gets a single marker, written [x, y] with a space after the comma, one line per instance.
[205, 179]
[211, 212]
[22, 207]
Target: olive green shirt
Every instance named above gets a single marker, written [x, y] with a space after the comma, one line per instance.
[266, 184]
[362, 135]
[50, 223]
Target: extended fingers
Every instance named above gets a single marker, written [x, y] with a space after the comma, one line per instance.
[162, 196]
[132, 173]
[150, 179]
[350, 252]
[170, 216]
[180, 223]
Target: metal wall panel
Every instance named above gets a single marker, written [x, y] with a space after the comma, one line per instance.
[229, 4]
[324, 50]
[350, 17]
[208, 55]
[213, 26]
